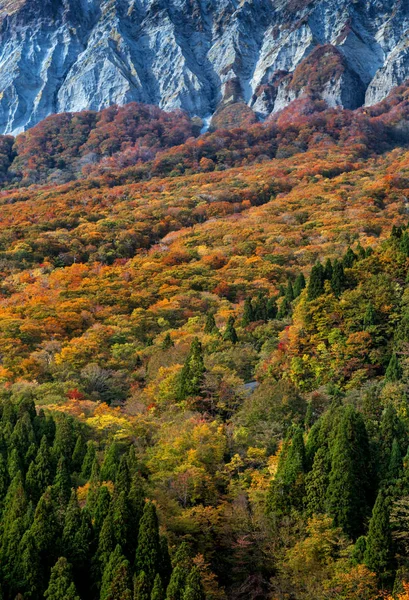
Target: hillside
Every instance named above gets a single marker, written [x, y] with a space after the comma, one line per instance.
[204, 367]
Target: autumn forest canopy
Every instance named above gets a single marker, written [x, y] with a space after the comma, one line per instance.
[204, 356]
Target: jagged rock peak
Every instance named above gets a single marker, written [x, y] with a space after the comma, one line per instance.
[70, 55]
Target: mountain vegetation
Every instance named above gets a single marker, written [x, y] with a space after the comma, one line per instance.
[204, 357]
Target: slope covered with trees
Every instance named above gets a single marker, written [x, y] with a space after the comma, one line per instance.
[206, 351]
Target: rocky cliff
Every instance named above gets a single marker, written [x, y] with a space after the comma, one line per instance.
[68, 55]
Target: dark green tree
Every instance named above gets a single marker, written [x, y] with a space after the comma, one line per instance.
[394, 369]
[89, 459]
[369, 316]
[379, 552]
[349, 259]
[210, 325]
[316, 482]
[141, 587]
[191, 376]
[272, 309]
[158, 593]
[148, 549]
[78, 454]
[62, 482]
[248, 313]
[338, 280]
[289, 292]
[299, 284]
[328, 270]
[167, 342]
[348, 493]
[115, 583]
[61, 585]
[316, 282]
[111, 461]
[194, 588]
[230, 333]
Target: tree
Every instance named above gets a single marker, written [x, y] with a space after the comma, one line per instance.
[394, 369]
[299, 284]
[316, 482]
[115, 583]
[349, 481]
[230, 334]
[167, 342]
[210, 325]
[369, 316]
[141, 587]
[110, 465]
[148, 550]
[316, 282]
[328, 270]
[194, 588]
[88, 461]
[248, 313]
[78, 454]
[61, 585]
[158, 593]
[378, 554]
[62, 481]
[349, 259]
[289, 292]
[395, 461]
[191, 376]
[338, 279]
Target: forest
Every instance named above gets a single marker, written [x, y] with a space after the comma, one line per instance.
[204, 356]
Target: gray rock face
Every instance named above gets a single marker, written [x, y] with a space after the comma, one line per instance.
[70, 55]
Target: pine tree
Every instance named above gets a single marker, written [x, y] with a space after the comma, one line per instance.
[141, 587]
[288, 488]
[260, 307]
[109, 467]
[123, 476]
[31, 571]
[338, 280]
[349, 481]
[177, 583]
[120, 520]
[106, 541]
[299, 284]
[379, 555]
[62, 482]
[191, 376]
[316, 282]
[115, 583]
[210, 325]
[78, 454]
[395, 461]
[289, 292]
[404, 244]
[148, 549]
[194, 588]
[369, 316]
[167, 342]
[89, 459]
[394, 370]
[349, 259]
[77, 534]
[284, 309]
[230, 333]
[248, 314]
[158, 593]
[328, 270]
[316, 482]
[61, 585]
[272, 309]
[165, 565]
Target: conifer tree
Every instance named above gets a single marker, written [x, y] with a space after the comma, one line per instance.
[115, 583]
[284, 309]
[378, 554]
[148, 549]
[141, 587]
[110, 465]
[158, 593]
[260, 308]
[338, 279]
[120, 520]
[167, 342]
[271, 308]
[165, 565]
[316, 482]
[123, 476]
[176, 587]
[349, 259]
[328, 270]
[230, 333]
[89, 459]
[46, 527]
[394, 369]
[61, 585]
[194, 589]
[30, 570]
[62, 482]
[369, 316]
[299, 284]
[316, 282]
[191, 376]
[349, 481]
[248, 314]
[210, 325]
[78, 454]
[395, 461]
[289, 292]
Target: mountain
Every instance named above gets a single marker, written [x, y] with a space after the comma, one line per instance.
[198, 55]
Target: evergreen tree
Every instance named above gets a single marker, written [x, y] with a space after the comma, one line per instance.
[194, 587]
[89, 459]
[328, 270]
[316, 482]
[289, 292]
[210, 325]
[284, 309]
[123, 476]
[349, 259]
[141, 587]
[176, 587]
[61, 585]
[101, 508]
[148, 549]
[395, 461]
[62, 482]
[191, 376]
[271, 308]
[394, 370]
[358, 553]
[288, 488]
[404, 244]
[165, 566]
[230, 334]
[167, 342]
[316, 282]
[110, 465]
[46, 527]
[260, 307]
[248, 314]
[349, 481]
[299, 284]
[106, 541]
[338, 280]
[379, 555]
[77, 536]
[158, 593]
[120, 520]
[78, 454]
[369, 316]
[31, 574]
[115, 583]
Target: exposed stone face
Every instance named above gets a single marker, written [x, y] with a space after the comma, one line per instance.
[69, 55]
